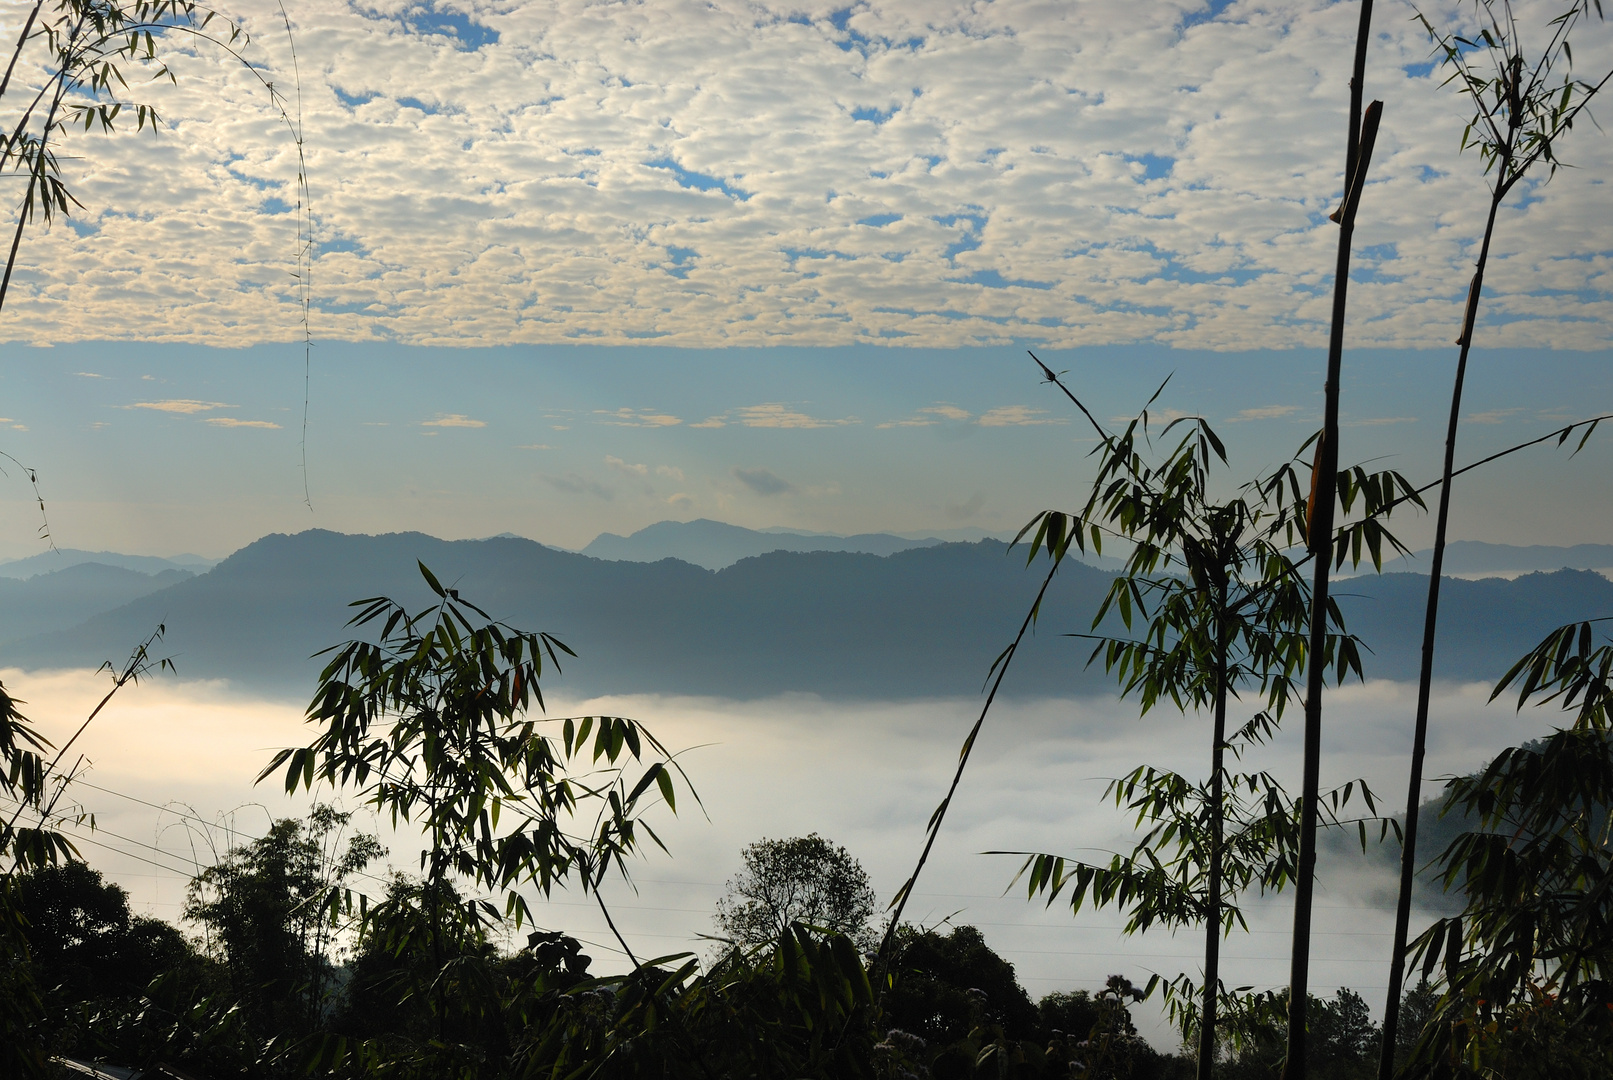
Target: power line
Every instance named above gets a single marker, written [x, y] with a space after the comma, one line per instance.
[190, 873]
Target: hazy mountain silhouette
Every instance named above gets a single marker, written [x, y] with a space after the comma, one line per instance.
[65, 598]
[918, 623]
[47, 562]
[1475, 557]
[714, 544]
[921, 622]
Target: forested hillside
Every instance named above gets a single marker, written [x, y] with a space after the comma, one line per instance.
[921, 622]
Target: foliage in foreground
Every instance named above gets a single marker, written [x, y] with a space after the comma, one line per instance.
[1215, 607]
[1525, 970]
[420, 999]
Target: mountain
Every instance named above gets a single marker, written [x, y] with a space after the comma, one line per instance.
[65, 598]
[714, 545]
[62, 558]
[1484, 625]
[1471, 557]
[924, 622]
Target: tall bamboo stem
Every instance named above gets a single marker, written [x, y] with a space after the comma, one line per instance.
[1320, 536]
[1425, 675]
[1212, 917]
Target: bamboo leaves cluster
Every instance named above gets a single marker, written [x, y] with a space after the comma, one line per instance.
[1214, 606]
[429, 723]
[1526, 969]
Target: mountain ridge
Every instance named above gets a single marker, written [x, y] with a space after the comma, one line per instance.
[46, 562]
[919, 623]
[716, 544]
[1477, 557]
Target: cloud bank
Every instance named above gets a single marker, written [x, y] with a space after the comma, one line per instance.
[188, 752]
[892, 171]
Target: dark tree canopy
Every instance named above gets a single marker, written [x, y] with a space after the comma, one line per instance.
[263, 907]
[805, 879]
[947, 984]
[82, 938]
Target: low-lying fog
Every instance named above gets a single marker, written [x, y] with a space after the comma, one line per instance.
[866, 775]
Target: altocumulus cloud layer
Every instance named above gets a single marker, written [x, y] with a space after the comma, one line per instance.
[906, 172]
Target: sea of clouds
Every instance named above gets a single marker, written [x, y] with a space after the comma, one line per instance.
[890, 171]
[866, 775]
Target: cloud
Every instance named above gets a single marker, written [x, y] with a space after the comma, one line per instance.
[1155, 416]
[624, 467]
[1003, 416]
[575, 484]
[967, 509]
[671, 472]
[711, 422]
[1062, 175]
[1018, 416]
[935, 414]
[201, 743]
[534, 446]
[777, 415]
[1265, 412]
[88, 375]
[637, 418]
[763, 481]
[184, 406]
[231, 422]
[447, 420]
[1380, 421]
[1493, 416]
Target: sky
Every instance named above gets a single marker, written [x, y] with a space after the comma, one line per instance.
[713, 174]
[579, 267]
[161, 449]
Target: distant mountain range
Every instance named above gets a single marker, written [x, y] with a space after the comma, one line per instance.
[714, 544]
[924, 622]
[1472, 557]
[65, 598]
[47, 562]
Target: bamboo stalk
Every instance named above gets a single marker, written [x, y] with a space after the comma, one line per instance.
[1425, 674]
[1320, 538]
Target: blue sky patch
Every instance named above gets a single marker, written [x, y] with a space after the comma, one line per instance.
[1208, 13]
[993, 279]
[1154, 166]
[698, 181]
[465, 33]
[352, 101]
[873, 116]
